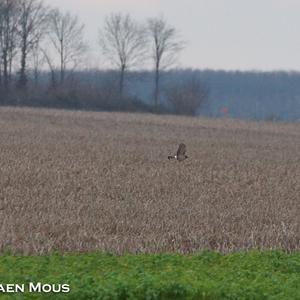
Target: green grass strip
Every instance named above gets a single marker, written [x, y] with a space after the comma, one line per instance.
[207, 275]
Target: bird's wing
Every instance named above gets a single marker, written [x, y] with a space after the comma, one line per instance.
[181, 149]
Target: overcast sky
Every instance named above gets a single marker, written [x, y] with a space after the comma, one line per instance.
[220, 34]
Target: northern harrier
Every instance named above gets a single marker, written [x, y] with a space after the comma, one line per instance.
[180, 156]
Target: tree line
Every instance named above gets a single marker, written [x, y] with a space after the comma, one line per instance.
[36, 39]
[43, 54]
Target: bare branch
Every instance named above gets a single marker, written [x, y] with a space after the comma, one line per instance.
[165, 46]
[32, 24]
[9, 16]
[66, 36]
[165, 42]
[123, 43]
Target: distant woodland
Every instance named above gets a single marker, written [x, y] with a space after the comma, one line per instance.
[44, 63]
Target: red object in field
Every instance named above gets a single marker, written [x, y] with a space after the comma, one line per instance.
[224, 110]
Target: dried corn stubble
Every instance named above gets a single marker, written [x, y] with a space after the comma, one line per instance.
[80, 181]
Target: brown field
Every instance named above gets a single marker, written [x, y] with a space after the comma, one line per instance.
[79, 181]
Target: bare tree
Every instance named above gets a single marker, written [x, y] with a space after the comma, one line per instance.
[66, 36]
[187, 95]
[123, 42]
[33, 16]
[38, 59]
[49, 62]
[165, 46]
[9, 15]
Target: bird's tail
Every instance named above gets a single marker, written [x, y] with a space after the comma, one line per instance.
[171, 157]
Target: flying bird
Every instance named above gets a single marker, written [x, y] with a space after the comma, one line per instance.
[180, 156]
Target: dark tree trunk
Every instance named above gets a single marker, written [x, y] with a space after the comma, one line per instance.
[62, 69]
[156, 84]
[36, 77]
[10, 67]
[23, 77]
[121, 88]
[62, 75]
[5, 70]
[156, 87]
[53, 81]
